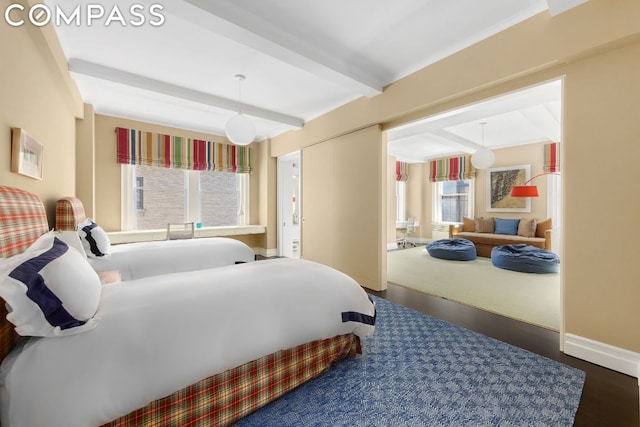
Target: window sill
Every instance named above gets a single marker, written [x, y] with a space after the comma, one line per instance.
[118, 237]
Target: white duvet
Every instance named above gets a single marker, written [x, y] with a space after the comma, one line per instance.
[160, 334]
[137, 260]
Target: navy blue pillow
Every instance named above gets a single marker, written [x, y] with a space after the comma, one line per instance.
[506, 226]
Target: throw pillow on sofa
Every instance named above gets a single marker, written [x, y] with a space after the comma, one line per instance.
[527, 227]
[506, 226]
[484, 225]
[468, 224]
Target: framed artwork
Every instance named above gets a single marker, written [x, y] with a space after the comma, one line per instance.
[500, 181]
[26, 154]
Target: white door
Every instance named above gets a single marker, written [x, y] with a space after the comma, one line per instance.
[289, 205]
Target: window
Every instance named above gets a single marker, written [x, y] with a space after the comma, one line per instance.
[401, 201]
[161, 196]
[220, 198]
[452, 200]
[139, 193]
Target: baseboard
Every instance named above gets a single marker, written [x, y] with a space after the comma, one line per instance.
[267, 253]
[615, 358]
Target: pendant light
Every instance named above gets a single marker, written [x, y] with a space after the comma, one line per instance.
[483, 158]
[240, 129]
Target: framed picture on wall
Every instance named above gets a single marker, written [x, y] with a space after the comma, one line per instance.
[500, 181]
[26, 154]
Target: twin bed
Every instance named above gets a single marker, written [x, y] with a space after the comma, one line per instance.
[193, 348]
[143, 259]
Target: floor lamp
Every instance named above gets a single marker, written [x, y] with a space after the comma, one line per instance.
[528, 190]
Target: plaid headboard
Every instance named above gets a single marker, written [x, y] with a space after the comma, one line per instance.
[22, 220]
[69, 213]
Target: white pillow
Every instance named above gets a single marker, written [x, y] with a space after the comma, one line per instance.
[50, 289]
[72, 239]
[94, 239]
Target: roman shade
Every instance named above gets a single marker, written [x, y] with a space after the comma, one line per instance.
[135, 147]
[402, 171]
[551, 158]
[451, 169]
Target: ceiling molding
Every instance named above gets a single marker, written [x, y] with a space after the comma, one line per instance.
[231, 21]
[90, 69]
[558, 6]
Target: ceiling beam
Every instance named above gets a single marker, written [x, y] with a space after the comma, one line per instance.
[231, 21]
[90, 69]
[456, 139]
[544, 121]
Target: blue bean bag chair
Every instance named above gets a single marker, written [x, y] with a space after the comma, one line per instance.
[453, 249]
[525, 258]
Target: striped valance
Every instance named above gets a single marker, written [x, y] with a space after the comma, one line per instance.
[551, 157]
[451, 169]
[402, 171]
[136, 147]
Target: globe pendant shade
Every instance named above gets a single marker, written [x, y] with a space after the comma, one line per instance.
[483, 158]
[240, 130]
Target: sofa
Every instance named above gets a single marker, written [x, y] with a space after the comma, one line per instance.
[487, 233]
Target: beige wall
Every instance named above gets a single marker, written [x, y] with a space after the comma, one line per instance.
[419, 199]
[107, 199]
[532, 155]
[86, 164]
[37, 97]
[602, 134]
[343, 222]
[267, 196]
[596, 47]
[391, 200]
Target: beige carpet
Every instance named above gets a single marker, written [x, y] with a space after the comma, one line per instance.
[533, 298]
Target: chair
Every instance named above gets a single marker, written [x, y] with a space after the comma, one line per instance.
[180, 231]
[409, 227]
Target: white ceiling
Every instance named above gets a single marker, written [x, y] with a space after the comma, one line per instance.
[301, 59]
[524, 117]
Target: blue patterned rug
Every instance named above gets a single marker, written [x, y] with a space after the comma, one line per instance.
[420, 371]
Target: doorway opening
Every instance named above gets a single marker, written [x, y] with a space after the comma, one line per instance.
[289, 205]
[518, 127]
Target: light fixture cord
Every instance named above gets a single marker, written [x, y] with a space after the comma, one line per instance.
[240, 78]
[544, 173]
[483, 124]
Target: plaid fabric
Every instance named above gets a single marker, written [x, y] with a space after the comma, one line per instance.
[69, 213]
[8, 335]
[22, 220]
[223, 399]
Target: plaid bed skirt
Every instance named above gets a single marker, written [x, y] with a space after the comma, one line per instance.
[223, 399]
[8, 336]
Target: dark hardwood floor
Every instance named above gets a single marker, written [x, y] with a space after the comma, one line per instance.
[608, 398]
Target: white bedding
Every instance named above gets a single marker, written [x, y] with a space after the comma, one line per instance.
[138, 260]
[160, 334]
